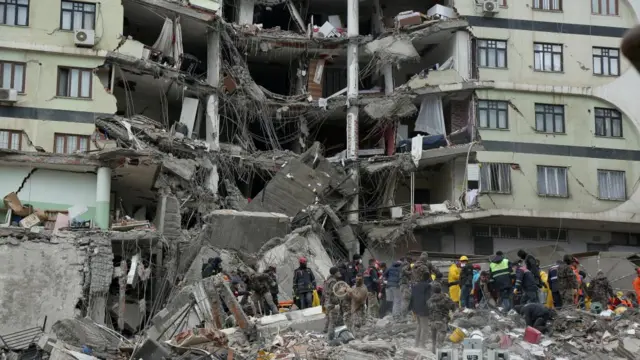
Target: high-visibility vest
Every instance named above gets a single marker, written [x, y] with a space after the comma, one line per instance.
[500, 269]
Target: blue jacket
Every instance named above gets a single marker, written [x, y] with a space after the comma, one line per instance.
[525, 280]
[392, 275]
[553, 278]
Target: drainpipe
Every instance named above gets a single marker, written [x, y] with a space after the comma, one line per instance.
[103, 196]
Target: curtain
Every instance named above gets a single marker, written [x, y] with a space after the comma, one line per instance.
[431, 118]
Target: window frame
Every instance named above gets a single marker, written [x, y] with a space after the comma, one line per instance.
[566, 181]
[599, 12]
[487, 169]
[66, 137]
[602, 57]
[13, 132]
[614, 115]
[13, 74]
[73, 10]
[541, 2]
[496, 49]
[553, 113]
[81, 70]
[543, 51]
[609, 172]
[488, 109]
[5, 3]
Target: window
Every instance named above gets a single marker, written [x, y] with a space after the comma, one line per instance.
[608, 122]
[12, 75]
[75, 83]
[552, 181]
[77, 15]
[520, 233]
[555, 5]
[68, 144]
[495, 178]
[14, 12]
[547, 57]
[493, 114]
[606, 61]
[604, 7]
[492, 53]
[10, 139]
[550, 118]
[612, 185]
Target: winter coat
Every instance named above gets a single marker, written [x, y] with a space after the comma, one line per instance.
[259, 283]
[423, 266]
[525, 280]
[466, 275]
[405, 274]
[566, 278]
[392, 275]
[532, 312]
[439, 306]
[303, 280]
[420, 294]
[531, 264]
[358, 296]
[330, 297]
[273, 284]
[371, 280]
[353, 269]
[553, 278]
[601, 290]
[501, 273]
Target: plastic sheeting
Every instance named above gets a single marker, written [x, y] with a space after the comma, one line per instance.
[170, 41]
[431, 117]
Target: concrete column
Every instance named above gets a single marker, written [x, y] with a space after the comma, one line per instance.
[245, 12]
[353, 139]
[212, 111]
[103, 196]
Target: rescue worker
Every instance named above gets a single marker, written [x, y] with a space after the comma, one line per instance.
[636, 285]
[601, 290]
[481, 292]
[438, 307]
[423, 265]
[331, 302]
[576, 270]
[303, 284]
[353, 269]
[372, 282]
[259, 285]
[392, 279]
[553, 285]
[382, 299]
[531, 263]
[545, 293]
[526, 284]
[420, 294]
[501, 279]
[273, 284]
[212, 267]
[405, 286]
[454, 282]
[567, 282]
[466, 283]
[536, 315]
[358, 297]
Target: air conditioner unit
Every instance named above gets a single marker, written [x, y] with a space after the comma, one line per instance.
[84, 38]
[8, 96]
[490, 7]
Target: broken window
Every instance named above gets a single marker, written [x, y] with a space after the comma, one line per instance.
[604, 7]
[547, 57]
[550, 118]
[606, 61]
[77, 16]
[555, 5]
[75, 83]
[12, 75]
[612, 185]
[14, 12]
[608, 122]
[69, 144]
[495, 178]
[552, 181]
[492, 53]
[10, 139]
[493, 114]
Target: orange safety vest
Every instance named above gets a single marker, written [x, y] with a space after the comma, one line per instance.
[577, 272]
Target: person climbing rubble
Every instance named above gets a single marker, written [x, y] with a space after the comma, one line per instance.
[636, 285]
[600, 290]
[567, 282]
[536, 315]
[466, 283]
[453, 278]
[212, 267]
[392, 280]
[420, 294]
[273, 283]
[405, 286]
[501, 274]
[438, 307]
[303, 284]
[531, 263]
[526, 284]
[424, 265]
[259, 285]
[372, 282]
[358, 297]
[331, 302]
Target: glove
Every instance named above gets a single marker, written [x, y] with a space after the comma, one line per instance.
[515, 291]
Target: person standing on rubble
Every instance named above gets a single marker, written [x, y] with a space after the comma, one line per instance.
[304, 283]
[531, 263]
[358, 297]
[439, 306]
[273, 284]
[567, 282]
[553, 284]
[424, 265]
[382, 299]
[453, 278]
[331, 302]
[420, 294]
[601, 290]
[372, 282]
[392, 279]
[636, 285]
[526, 284]
[353, 269]
[466, 283]
[259, 284]
[405, 286]
[501, 279]
[212, 267]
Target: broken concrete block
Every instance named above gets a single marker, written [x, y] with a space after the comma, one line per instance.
[242, 230]
[80, 332]
[392, 49]
[415, 353]
[152, 350]
[184, 168]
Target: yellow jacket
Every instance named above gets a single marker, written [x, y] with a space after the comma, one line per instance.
[454, 276]
[547, 289]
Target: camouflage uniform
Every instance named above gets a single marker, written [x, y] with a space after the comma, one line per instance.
[405, 288]
[439, 306]
[423, 265]
[373, 306]
[601, 289]
[567, 284]
[259, 283]
[358, 297]
[331, 303]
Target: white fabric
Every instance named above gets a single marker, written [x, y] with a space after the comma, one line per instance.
[431, 117]
[165, 40]
[177, 46]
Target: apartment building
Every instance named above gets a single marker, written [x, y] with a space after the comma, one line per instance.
[560, 129]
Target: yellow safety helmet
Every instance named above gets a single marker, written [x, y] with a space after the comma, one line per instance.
[619, 294]
[464, 258]
[412, 265]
